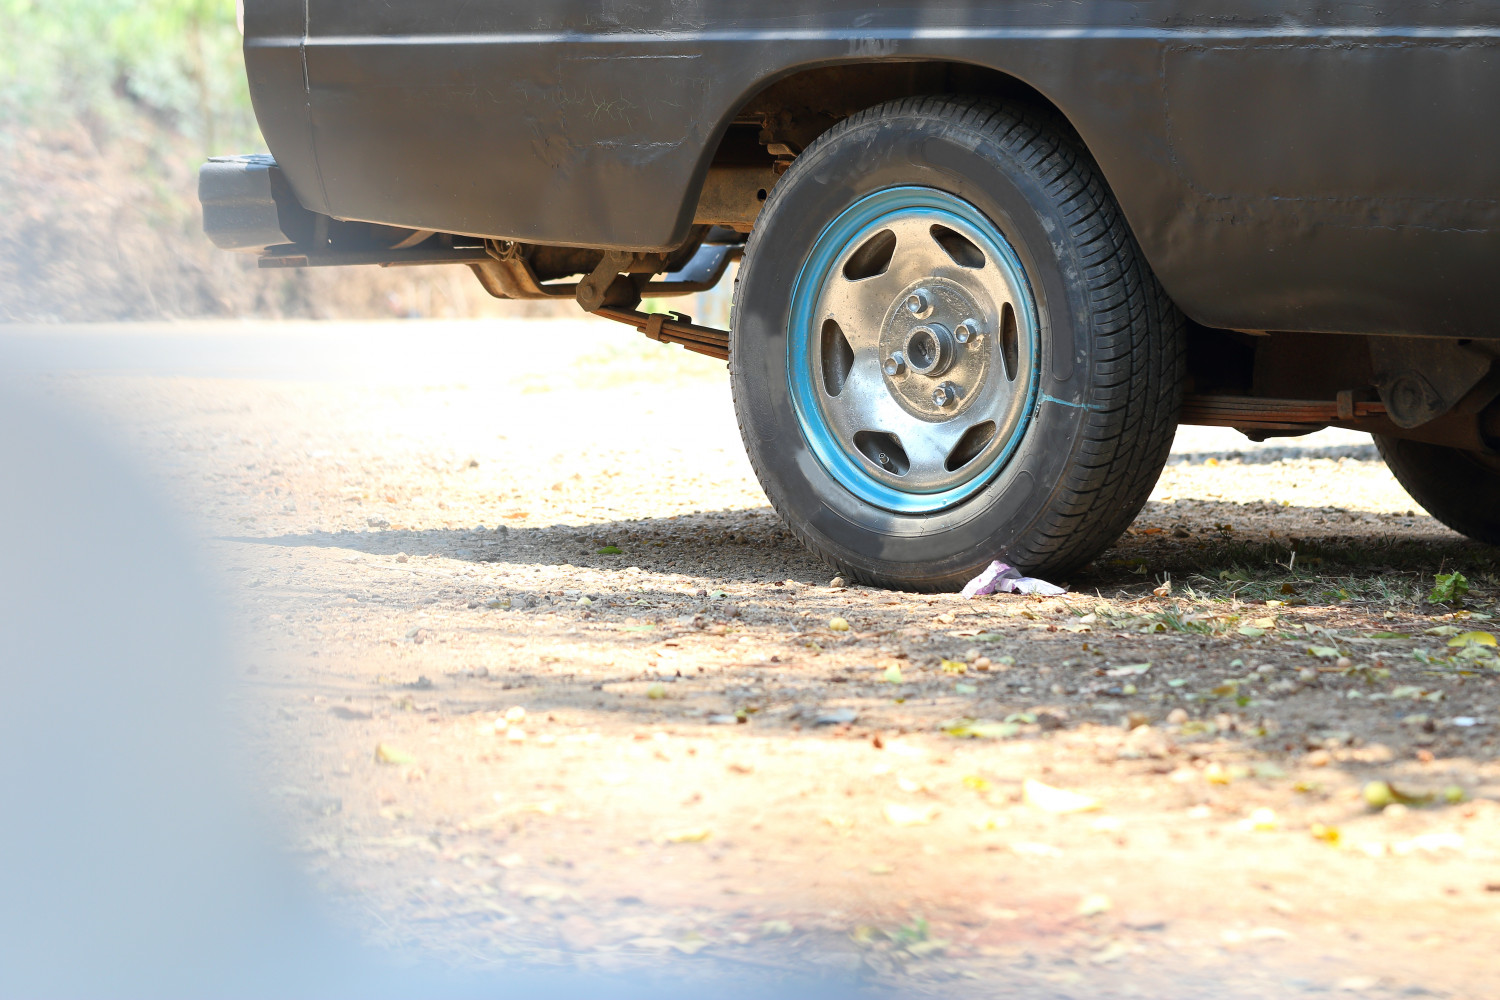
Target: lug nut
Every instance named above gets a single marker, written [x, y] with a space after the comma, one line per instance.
[895, 365]
[966, 331]
[919, 303]
[945, 394]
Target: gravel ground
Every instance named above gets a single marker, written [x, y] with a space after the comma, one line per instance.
[536, 676]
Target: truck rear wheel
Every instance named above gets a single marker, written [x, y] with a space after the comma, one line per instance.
[947, 348]
[1460, 488]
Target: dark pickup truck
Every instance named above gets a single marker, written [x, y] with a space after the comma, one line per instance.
[993, 252]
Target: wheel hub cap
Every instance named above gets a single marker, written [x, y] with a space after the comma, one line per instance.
[912, 353]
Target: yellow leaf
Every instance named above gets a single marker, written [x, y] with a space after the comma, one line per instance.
[1262, 820]
[1329, 835]
[1379, 794]
[1056, 800]
[387, 754]
[955, 667]
[1472, 639]
[694, 835]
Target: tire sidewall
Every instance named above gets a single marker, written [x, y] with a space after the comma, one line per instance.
[987, 168]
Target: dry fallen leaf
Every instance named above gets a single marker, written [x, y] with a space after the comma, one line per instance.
[1094, 904]
[1472, 639]
[693, 835]
[1056, 800]
[1262, 820]
[1329, 835]
[387, 754]
[902, 815]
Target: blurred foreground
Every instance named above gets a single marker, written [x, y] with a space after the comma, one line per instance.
[534, 680]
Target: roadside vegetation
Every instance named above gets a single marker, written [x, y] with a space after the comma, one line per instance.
[107, 108]
[116, 65]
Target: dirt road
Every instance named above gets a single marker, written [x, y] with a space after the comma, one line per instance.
[537, 677]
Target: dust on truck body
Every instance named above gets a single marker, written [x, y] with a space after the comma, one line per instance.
[992, 254]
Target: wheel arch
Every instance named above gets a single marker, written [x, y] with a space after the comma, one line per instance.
[800, 103]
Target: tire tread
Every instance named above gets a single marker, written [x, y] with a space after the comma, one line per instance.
[1140, 358]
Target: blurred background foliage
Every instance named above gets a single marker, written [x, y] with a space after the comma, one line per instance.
[107, 109]
[111, 61]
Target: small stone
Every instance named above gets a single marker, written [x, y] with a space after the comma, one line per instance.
[1343, 663]
[1135, 720]
[584, 602]
[971, 654]
[837, 582]
[402, 557]
[1357, 984]
[1177, 717]
[1318, 758]
[1266, 668]
[1307, 675]
[1145, 922]
[377, 522]
[981, 663]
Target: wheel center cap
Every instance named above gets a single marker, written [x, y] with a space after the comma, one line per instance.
[930, 349]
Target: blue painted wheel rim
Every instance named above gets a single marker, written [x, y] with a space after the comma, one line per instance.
[824, 418]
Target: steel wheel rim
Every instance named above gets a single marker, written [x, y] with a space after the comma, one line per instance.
[907, 432]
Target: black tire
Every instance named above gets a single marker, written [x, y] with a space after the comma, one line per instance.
[1110, 356]
[1460, 488]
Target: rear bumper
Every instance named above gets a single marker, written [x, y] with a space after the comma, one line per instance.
[248, 205]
